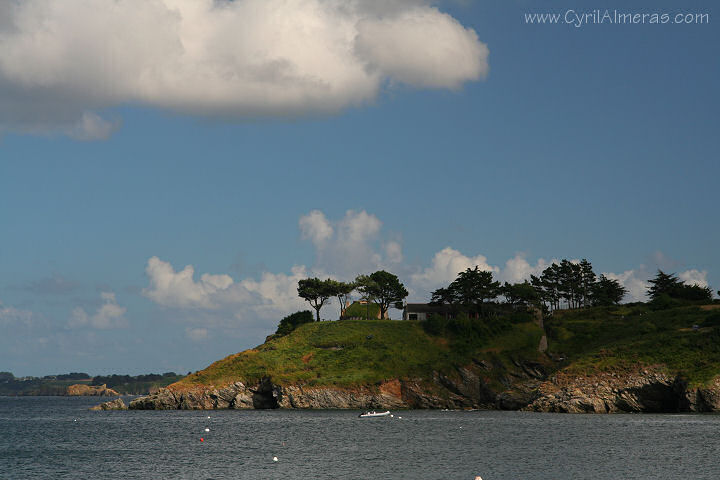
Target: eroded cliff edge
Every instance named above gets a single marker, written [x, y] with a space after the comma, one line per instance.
[642, 391]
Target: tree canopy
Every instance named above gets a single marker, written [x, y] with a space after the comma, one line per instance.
[384, 288]
[316, 292]
[469, 290]
[669, 285]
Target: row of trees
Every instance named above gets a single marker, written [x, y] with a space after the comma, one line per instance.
[381, 287]
[670, 286]
[575, 285]
[565, 283]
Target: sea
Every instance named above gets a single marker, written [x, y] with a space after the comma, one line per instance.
[59, 438]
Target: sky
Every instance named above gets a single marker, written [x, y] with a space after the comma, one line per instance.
[169, 169]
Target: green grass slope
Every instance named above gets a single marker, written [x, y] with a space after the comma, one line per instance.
[355, 352]
[607, 338]
[584, 341]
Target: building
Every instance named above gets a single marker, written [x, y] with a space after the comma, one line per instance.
[421, 311]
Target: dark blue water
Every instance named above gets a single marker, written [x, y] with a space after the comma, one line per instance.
[56, 437]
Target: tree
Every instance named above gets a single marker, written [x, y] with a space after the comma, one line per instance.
[587, 282]
[469, 290]
[382, 287]
[607, 291]
[520, 293]
[291, 322]
[473, 286]
[664, 284]
[316, 292]
[342, 291]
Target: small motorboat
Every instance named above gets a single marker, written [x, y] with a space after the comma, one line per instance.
[375, 414]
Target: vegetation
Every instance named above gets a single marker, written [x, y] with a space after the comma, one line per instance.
[354, 352]
[137, 385]
[469, 290]
[57, 384]
[362, 310]
[685, 339]
[291, 322]
[384, 288]
[665, 286]
[316, 292]
[381, 287]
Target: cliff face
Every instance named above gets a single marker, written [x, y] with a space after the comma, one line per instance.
[644, 391]
[463, 389]
[647, 391]
[91, 390]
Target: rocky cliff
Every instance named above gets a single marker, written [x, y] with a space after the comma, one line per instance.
[91, 390]
[647, 390]
[465, 388]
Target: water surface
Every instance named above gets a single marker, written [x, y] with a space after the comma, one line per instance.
[57, 437]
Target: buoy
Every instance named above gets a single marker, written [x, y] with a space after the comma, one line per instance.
[208, 416]
[400, 417]
[478, 477]
[275, 459]
[202, 439]
[391, 415]
[207, 429]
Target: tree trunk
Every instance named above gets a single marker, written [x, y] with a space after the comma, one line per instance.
[317, 313]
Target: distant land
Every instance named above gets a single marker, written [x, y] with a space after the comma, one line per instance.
[61, 385]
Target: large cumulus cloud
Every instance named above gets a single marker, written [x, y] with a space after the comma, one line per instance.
[62, 62]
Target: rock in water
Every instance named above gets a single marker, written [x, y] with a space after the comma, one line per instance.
[91, 390]
[116, 404]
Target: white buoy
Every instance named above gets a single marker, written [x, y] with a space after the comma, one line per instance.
[208, 416]
[400, 418]
[391, 415]
[207, 429]
[275, 459]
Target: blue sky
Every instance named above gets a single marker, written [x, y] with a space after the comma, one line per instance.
[597, 142]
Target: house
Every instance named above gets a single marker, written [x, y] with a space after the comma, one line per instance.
[421, 311]
[361, 309]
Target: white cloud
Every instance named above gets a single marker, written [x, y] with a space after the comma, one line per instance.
[196, 334]
[393, 251]
[635, 281]
[61, 61]
[518, 269]
[694, 277]
[315, 227]
[272, 295]
[108, 315]
[349, 246]
[92, 127]
[15, 316]
[179, 289]
[452, 57]
[445, 266]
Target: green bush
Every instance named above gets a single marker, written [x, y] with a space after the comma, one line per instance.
[291, 322]
[712, 320]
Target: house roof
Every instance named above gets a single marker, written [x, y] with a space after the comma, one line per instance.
[426, 308]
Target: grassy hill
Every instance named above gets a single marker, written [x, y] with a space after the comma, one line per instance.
[355, 352]
[622, 337]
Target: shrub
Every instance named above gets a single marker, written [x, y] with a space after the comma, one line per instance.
[291, 322]
[712, 320]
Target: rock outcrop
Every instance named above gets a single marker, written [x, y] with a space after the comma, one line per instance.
[116, 404]
[526, 388]
[649, 390]
[91, 390]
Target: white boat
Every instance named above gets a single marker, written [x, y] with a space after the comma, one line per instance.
[375, 414]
